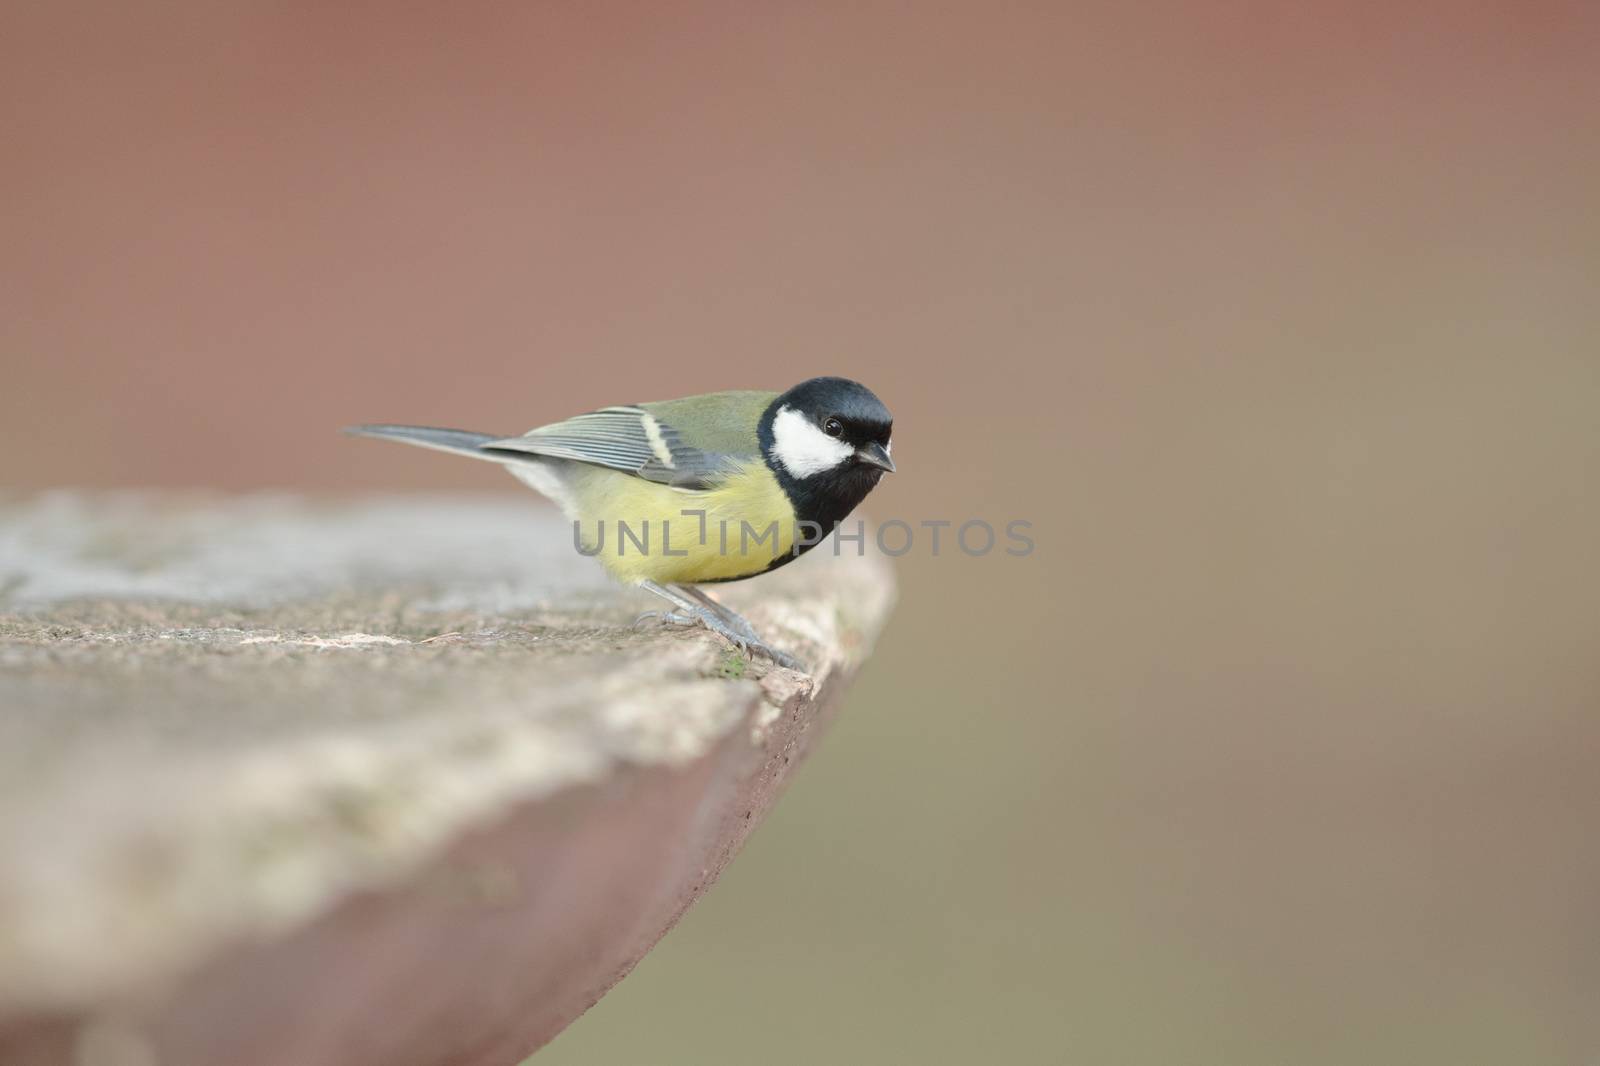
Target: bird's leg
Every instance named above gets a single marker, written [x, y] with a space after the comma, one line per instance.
[675, 618]
[685, 613]
[727, 614]
[742, 627]
[691, 613]
[694, 607]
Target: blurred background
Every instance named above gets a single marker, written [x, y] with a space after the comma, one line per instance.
[1280, 323]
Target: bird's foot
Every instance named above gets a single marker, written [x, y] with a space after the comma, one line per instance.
[735, 623]
[778, 656]
[667, 618]
[734, 630]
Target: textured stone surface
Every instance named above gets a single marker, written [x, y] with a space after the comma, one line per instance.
[382, 782]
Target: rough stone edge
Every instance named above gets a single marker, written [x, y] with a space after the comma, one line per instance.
[784, 710]
[174, 1024]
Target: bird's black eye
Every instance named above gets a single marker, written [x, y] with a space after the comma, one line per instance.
[833, 427]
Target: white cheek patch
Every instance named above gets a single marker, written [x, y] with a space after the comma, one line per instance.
[802, 448]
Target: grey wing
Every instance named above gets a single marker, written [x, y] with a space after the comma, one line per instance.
[629, 439]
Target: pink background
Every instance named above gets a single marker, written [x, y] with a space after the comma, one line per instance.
[1279, 322]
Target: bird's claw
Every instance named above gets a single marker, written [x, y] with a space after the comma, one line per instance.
[744, 638]
[781, 658]
[725, 623]
[666, 618]
[741, 637]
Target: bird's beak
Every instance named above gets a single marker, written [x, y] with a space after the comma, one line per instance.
[875, 454]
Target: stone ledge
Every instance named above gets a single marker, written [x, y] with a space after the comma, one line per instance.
[392, 781]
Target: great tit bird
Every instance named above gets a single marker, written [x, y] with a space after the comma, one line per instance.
[729, 485]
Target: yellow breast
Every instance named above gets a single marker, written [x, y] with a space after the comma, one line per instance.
[640, 530]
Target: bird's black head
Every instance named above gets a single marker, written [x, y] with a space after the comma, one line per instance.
[827, 440]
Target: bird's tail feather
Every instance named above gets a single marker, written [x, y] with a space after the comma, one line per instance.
[456, 441]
